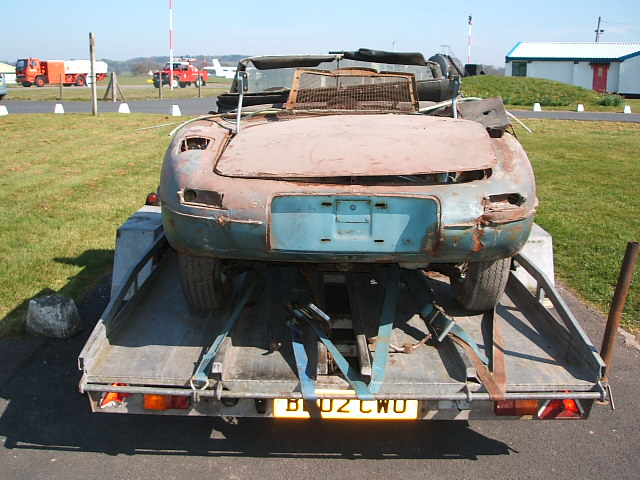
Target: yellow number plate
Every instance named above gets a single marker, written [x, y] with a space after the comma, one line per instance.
[350, 409]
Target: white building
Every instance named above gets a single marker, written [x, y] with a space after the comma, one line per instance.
[9, 72]
[601, 66]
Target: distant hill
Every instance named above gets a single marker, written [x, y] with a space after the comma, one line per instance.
[140, 65]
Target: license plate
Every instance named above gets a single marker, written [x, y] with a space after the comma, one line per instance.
[348, 409]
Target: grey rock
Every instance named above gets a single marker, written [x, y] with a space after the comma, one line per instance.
[53, 316]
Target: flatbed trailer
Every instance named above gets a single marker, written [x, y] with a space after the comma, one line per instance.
[396, 346]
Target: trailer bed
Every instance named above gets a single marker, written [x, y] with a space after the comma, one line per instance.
[153, 344]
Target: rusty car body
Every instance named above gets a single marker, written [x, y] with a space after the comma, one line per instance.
[348, 159]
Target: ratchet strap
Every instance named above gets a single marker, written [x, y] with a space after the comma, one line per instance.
[310, 316]
[495, 380]
[383, 339]
[200, 378]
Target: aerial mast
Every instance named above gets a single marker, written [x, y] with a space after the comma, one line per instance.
[598, 31]
[469, 43]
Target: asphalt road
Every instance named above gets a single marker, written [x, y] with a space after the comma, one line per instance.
[47, 431]
[202, 106]
[188, 106]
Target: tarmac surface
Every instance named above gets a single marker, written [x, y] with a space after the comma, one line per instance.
[47, 431]
[202, 106]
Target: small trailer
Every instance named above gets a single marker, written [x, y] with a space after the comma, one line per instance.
[375, 342]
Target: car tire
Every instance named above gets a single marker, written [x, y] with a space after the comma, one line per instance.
[204, 284]
[156, 83]
[40, 81]
[482, 285]
[175, 82]
[81, 81]
[196, 83]
[183, 84]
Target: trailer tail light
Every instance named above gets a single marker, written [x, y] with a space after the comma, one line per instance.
[113, 399]
[515, 408]
[166, 402]
[152, 199]
[561, 409]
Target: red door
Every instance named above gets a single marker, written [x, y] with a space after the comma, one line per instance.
[600, 77]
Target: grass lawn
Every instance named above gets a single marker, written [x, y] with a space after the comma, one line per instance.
[134, 88]
[587, 176]
[523, 92]
[68, 181]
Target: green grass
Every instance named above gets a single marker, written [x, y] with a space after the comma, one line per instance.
[521, 92]
[68, 181]
[133, 87]
[587, 176]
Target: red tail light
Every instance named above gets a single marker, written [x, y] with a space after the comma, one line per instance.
[152, 199]
[113, 399]
[561, 409]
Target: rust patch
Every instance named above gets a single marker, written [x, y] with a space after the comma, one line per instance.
[477, 235]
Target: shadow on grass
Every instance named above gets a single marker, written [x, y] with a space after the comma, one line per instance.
[95, 264]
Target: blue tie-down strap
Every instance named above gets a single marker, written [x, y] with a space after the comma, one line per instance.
[200, 378]
[383, 339]
[438, 323]
[466, 338]
[350, 375]
[307, 383]
[302, 360]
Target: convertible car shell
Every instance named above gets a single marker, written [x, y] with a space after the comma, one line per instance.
[347, 188]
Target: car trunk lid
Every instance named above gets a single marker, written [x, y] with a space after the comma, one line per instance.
[357, 145]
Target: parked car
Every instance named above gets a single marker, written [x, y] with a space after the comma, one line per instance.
[3, 86]
[347, 159]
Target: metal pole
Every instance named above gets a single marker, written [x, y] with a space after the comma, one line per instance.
[171, 44]
[61, 78]
[598, 31]
[617, 304]
[113, 87]
[94, 92]
[199, 85]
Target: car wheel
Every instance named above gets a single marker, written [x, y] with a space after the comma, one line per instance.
[204, 283]
[482, 284]
[175, 82]
[39, 81]
[196, 83]
[183, 84]
[156, 83]
[81, 81]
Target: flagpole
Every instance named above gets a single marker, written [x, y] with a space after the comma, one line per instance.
[171, 44]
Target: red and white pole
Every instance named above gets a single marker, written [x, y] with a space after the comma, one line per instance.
[469, 52]
[171, 44]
